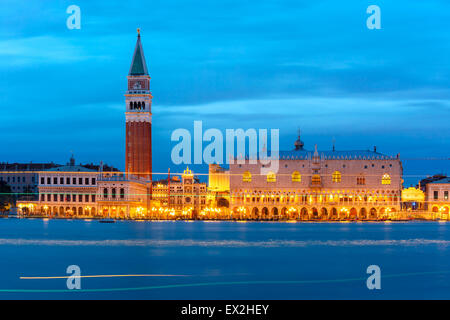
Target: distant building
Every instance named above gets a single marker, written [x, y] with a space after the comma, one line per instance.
[23, 178]
[437, 195]
[100, 167]
[424, 182]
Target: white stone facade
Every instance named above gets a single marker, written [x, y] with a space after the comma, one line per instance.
[67, 191]
[123, 197]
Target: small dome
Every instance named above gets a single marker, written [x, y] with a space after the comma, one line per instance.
[187, 172]
[299, 144]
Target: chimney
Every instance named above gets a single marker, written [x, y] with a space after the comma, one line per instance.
[374, 148]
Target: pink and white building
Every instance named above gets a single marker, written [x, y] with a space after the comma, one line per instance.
[318, 185]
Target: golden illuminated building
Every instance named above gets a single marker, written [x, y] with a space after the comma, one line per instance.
[413, 199]
[218, 187]
[175, 197]
[122, 196]
[318, 185]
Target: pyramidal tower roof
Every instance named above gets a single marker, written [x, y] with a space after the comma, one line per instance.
[138, 65]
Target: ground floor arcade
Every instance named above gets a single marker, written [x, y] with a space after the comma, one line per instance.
[315, 213]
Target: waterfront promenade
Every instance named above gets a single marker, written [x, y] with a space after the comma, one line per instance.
[398, 216]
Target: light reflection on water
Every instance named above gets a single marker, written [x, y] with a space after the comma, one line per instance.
[229, 252]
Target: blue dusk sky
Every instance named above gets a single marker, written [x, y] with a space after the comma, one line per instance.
[232, 64]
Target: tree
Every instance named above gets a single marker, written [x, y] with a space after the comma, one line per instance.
[6, 197]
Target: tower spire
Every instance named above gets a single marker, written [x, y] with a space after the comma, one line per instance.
[138, 65]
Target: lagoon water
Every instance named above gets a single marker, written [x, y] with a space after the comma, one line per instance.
[224, 260]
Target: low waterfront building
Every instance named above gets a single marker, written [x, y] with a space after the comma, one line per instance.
[23, 178]
[122, 196]
[437, 198]
[65, 191]
[218, 186]
[160, 190]
[185, 197]
[424, 182]
[413, 199]
[318, 185]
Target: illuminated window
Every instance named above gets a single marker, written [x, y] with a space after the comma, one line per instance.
[360, 181]
[336, 177]
[386, 179]
[271, 177]
[315, 179]
[247, 176]
[296, 177]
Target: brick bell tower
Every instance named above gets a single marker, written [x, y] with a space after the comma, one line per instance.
[138, 158]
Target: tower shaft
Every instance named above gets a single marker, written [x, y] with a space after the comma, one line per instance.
[138, 150]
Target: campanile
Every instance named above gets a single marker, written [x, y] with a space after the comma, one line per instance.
[138, 157]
